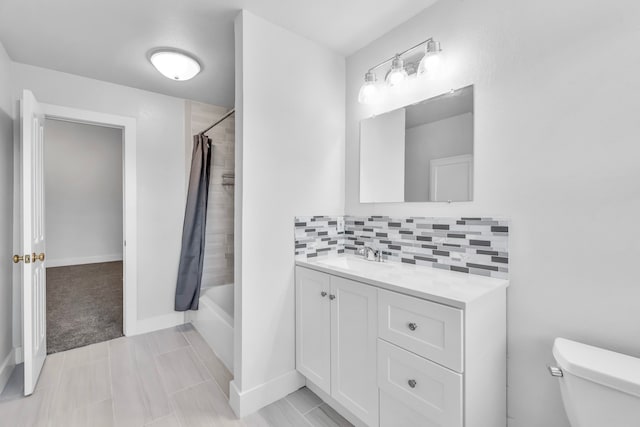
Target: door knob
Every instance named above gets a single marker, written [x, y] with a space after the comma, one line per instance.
[36, 257]
[332, 297]
[323, 294]
[412, 383]
[18, 258]
[413, 326]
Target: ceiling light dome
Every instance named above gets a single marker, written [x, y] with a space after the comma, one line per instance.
[175, 65]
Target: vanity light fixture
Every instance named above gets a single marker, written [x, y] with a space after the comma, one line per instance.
[399, 71]
[175, 64]
[369, 90]
[397, 74]
[431, 59]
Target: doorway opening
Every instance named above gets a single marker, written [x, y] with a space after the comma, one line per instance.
[83, 171]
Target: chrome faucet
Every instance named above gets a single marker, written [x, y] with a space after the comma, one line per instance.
[370, 254]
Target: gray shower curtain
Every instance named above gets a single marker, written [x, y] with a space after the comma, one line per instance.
[193, 230]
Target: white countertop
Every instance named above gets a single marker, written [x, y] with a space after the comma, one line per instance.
[443, 286]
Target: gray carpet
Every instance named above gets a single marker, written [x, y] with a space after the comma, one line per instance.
[84, 305]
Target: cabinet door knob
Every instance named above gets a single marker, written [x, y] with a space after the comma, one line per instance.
[413, 326]
[332, 297]
[323, 294]
[412, 383]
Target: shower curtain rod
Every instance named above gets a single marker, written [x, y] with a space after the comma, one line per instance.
[233, 110]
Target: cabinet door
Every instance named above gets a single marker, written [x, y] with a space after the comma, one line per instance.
[353, 348]
[313, 342]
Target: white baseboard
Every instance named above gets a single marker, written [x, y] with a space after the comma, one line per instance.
[83, 260]
[142, 326]
[247, 402]
[6, 368]
[19, 356]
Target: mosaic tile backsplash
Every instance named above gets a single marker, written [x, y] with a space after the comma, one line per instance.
[319, 236]
[477, 245]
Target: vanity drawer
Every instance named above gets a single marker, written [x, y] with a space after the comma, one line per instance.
[426, 328]
[431, 393]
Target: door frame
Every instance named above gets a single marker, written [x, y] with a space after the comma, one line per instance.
[129, 189]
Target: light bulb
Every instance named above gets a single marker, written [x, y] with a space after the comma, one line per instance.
[397, 75]
[430, 63]
[368, 92]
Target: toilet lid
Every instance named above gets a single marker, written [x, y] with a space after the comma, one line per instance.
[605, 367]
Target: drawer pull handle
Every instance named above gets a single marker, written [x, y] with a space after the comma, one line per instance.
[323, 294]
[332, 297]
[413, 326]
[412, 383]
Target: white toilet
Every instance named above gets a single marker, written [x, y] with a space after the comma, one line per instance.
[600, 388]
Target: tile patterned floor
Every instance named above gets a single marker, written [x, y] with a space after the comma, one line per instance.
[168, 378]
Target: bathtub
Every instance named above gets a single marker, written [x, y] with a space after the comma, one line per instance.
[214, 321]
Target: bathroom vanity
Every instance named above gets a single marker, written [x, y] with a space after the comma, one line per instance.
[393, 344]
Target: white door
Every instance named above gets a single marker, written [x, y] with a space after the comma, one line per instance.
[33, 242]
[353, 348]
[451, 179]
[313, 342]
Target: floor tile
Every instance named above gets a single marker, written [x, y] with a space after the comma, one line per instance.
[51, 371]
[95, 415]
[164, 379]
[325, 416]
[87, 354]
[304, 400]
[30, 411]
[214, 365]
[180, 369]
[166, 340]
[204, 405]
[83, 385]
[168, 421]
[139, 396]
[14, 388]
[280, 414]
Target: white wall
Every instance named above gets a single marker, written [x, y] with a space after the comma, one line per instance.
[6, 217]
[160, 173]
[448, 137]
[290, 151]
[556, 150]
[83, 192]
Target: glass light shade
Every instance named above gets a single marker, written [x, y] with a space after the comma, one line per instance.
[368, 92]
[430, 63]
[175, 65]
[397, 75]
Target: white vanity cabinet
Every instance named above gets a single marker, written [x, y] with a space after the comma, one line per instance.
[403, 347]
[336, 338]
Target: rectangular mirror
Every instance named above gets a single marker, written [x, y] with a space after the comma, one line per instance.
[419, 153]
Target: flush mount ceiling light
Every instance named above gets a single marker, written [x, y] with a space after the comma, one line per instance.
[174, 64]
[398, 73]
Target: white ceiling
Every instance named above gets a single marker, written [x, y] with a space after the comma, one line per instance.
[109, 39]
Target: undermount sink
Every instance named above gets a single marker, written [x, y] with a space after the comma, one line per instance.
[352, 263]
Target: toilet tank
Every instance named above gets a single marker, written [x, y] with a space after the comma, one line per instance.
[599, 387]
